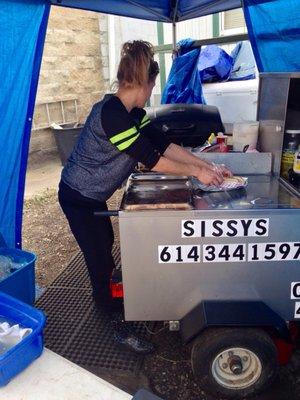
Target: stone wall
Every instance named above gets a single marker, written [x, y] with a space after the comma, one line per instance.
[75, 65]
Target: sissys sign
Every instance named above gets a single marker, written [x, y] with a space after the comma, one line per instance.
[215, 252]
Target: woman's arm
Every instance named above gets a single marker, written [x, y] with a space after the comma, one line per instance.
[170, 150]
[177, 153]
[206, 175]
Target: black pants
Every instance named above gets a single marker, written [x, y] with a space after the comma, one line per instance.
[94, 236]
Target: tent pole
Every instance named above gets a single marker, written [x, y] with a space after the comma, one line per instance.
[174, 15]
[174, 39]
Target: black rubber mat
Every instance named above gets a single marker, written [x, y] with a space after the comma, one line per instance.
[76, 330]
[76, 275]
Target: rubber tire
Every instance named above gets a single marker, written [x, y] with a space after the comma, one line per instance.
[215, 340]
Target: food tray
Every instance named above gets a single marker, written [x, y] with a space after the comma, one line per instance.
[235, 182]
[154, 195]
[158, 186]
[155, 177]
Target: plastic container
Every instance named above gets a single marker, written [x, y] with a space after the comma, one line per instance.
[21, 355]
[65, 138]
[245, 133]
[292, 141]
[21, 282]
[296, 165]
[222, 142]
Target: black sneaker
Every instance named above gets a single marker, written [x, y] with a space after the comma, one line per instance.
[127, 338]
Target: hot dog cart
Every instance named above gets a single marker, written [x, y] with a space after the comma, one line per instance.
[181, 246]
[223, 268]
[203, 261]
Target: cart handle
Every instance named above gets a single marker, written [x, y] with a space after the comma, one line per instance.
[108, 213]
[166, 127]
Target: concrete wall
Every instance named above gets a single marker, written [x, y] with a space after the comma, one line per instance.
[75, 66]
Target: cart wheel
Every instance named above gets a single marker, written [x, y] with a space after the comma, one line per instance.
[234, 362]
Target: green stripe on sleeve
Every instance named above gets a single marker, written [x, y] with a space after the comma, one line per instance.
[146, 118]
[125, 145]
[123, 135]
[145, 123]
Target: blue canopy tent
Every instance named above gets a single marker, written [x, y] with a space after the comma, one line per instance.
[154, 10]
[275, 39]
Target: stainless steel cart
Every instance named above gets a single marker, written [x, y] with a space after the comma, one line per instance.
[241, 245]
[221, 267]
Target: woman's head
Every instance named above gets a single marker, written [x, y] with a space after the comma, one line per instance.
[137, 68]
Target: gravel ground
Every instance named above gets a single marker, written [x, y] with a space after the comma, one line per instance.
[46, 232]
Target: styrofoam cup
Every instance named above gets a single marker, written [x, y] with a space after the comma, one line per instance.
[245, 133]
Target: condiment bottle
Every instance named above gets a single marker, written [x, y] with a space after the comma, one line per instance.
[288, 156]
[296, 166]
[222, 141]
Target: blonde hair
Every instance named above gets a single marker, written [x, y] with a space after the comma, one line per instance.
[137, 66]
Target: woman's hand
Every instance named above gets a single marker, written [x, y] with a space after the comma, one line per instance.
[208, 176]
[222, 169]
[205, 172]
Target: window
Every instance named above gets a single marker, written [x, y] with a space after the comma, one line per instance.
[233, 22]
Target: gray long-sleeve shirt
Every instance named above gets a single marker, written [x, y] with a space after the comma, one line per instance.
[109, 147]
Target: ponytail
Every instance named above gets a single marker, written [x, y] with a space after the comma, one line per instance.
[137, 66]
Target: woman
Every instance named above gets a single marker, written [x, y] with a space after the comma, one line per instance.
[116, 136]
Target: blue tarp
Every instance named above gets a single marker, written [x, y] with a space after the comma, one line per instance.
[243, 62]
[214, 64]
[20, 55]
[155, 10]
[184, 84]
[193, 67]
[274, 31]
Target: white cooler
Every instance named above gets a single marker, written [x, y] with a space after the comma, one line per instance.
[236, 100]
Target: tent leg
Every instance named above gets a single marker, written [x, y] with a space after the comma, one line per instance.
[174, 39]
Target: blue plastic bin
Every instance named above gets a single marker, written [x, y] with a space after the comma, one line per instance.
[20, 356]
[21, 283]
